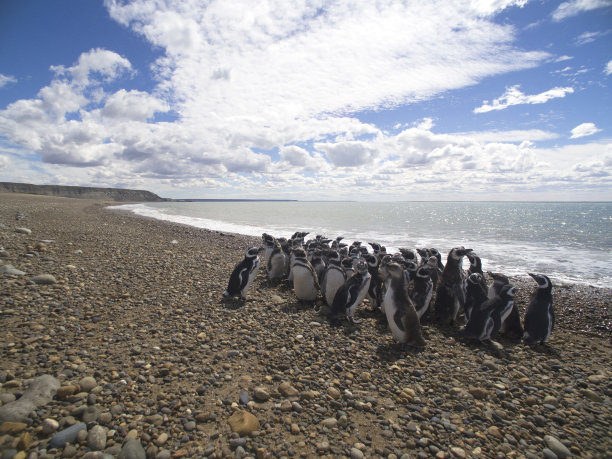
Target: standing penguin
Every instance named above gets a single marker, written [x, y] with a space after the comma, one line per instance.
[475, 294]
[399, 309]
[421, 292]
[351, 293]
[450, 295]
[540, 316]
[268, 243]
[243, 274]
[376, 282]
[486, 320]
[305, 280]
[277, 263]
[511, 326]
[334, 277]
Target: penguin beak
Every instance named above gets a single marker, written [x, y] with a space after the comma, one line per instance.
[534, 276]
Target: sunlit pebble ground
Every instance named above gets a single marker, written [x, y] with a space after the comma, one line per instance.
[138, 307]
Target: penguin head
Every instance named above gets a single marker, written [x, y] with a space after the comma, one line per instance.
[499, 277]
[424, 272]
[371, 260]
[408, 254]
[253, 252]
[375, 246]
[458, 253]
[362, 267]
[333, 256]
[542, 280]
[395, 270]
[299, 253]
[347, 263]
[507, 291]
[474, 260]
[475, 278]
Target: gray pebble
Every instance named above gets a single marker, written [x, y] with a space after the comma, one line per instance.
[44, 279]
[132, 449]
[68, 435]
[548, 454]
[557, 447]
[96, 438]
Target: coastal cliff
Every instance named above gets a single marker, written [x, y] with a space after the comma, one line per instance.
[82, 192]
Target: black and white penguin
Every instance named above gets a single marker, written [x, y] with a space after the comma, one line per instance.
[499, 280]
[540, 315]
[333, 279]
[511, 326]
[350, 295]
[399, 309]
[475, 294]
[475, 264]
[268, 245]
[376, 282]
[421, 291]
[305, 280]
[243, 274]
[318, 263]
[408, 255]
[277, 263]
[348, 265]
[486, 320]
[450, 294]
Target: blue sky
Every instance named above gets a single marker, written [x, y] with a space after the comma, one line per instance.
[489, 99]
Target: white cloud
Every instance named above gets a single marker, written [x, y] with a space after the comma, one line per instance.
[348, 153]
[6, 79]
[514, 96]
[608, 69]
[510, 136]
[574, 7]
[132, 105]
[95, 63]
[584, 130]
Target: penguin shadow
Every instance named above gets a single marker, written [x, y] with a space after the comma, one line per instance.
[233, 304]
[544, 349]
[392, 351]
[294, 307]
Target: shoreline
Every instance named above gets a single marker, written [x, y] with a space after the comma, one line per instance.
[137, 307]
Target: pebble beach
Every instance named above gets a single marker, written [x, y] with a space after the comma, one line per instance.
[119, 322]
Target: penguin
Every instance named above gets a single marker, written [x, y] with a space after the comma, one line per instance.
[376, 282]
[434, 270]
[475, 264]
[243, 274]
[399, 309]
[421, 291]
[277, 263]
[499, 280]
[475, 294]
[511, 326]
[333, 279]
[305, 280]
[351, 294]
[348, 265]
[486, 320]
[317, 262]
[268, 244]
[408, 255]
[450, 294]
[540, 315]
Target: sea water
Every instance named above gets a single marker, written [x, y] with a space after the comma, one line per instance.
[571, 242]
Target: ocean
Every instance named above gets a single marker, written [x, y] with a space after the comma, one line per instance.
[571, 242]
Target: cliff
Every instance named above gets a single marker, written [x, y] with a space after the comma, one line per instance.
[82, 192]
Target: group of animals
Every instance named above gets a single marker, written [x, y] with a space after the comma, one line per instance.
[409, 287]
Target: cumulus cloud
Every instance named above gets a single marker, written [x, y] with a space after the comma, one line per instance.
[574, 7]
[514, 96]
[348, 153]
[584, 130]
[608, 69]
[6, 79]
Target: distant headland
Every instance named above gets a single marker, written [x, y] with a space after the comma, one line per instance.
[82, 192]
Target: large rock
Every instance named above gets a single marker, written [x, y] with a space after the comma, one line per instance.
[243, 422]
[40, 392]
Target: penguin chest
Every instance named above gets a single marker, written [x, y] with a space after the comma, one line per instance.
[333, 281]
[394, 315]
[304, 283]
[251, 275]
[277, 266]
[360, 295]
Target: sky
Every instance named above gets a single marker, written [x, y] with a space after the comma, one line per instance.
[310, 99]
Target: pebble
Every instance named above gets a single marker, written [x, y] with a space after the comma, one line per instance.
[87, 384]
[557, 447]
[10, 269]
[132, 449]
[22, 230]
[49, 426]
[68, 435]
[44, 279]
[261, 394]
[356, 453]
[243, 422]
[96, 438]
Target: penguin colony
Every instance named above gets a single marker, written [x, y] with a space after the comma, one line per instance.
[408, 288]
